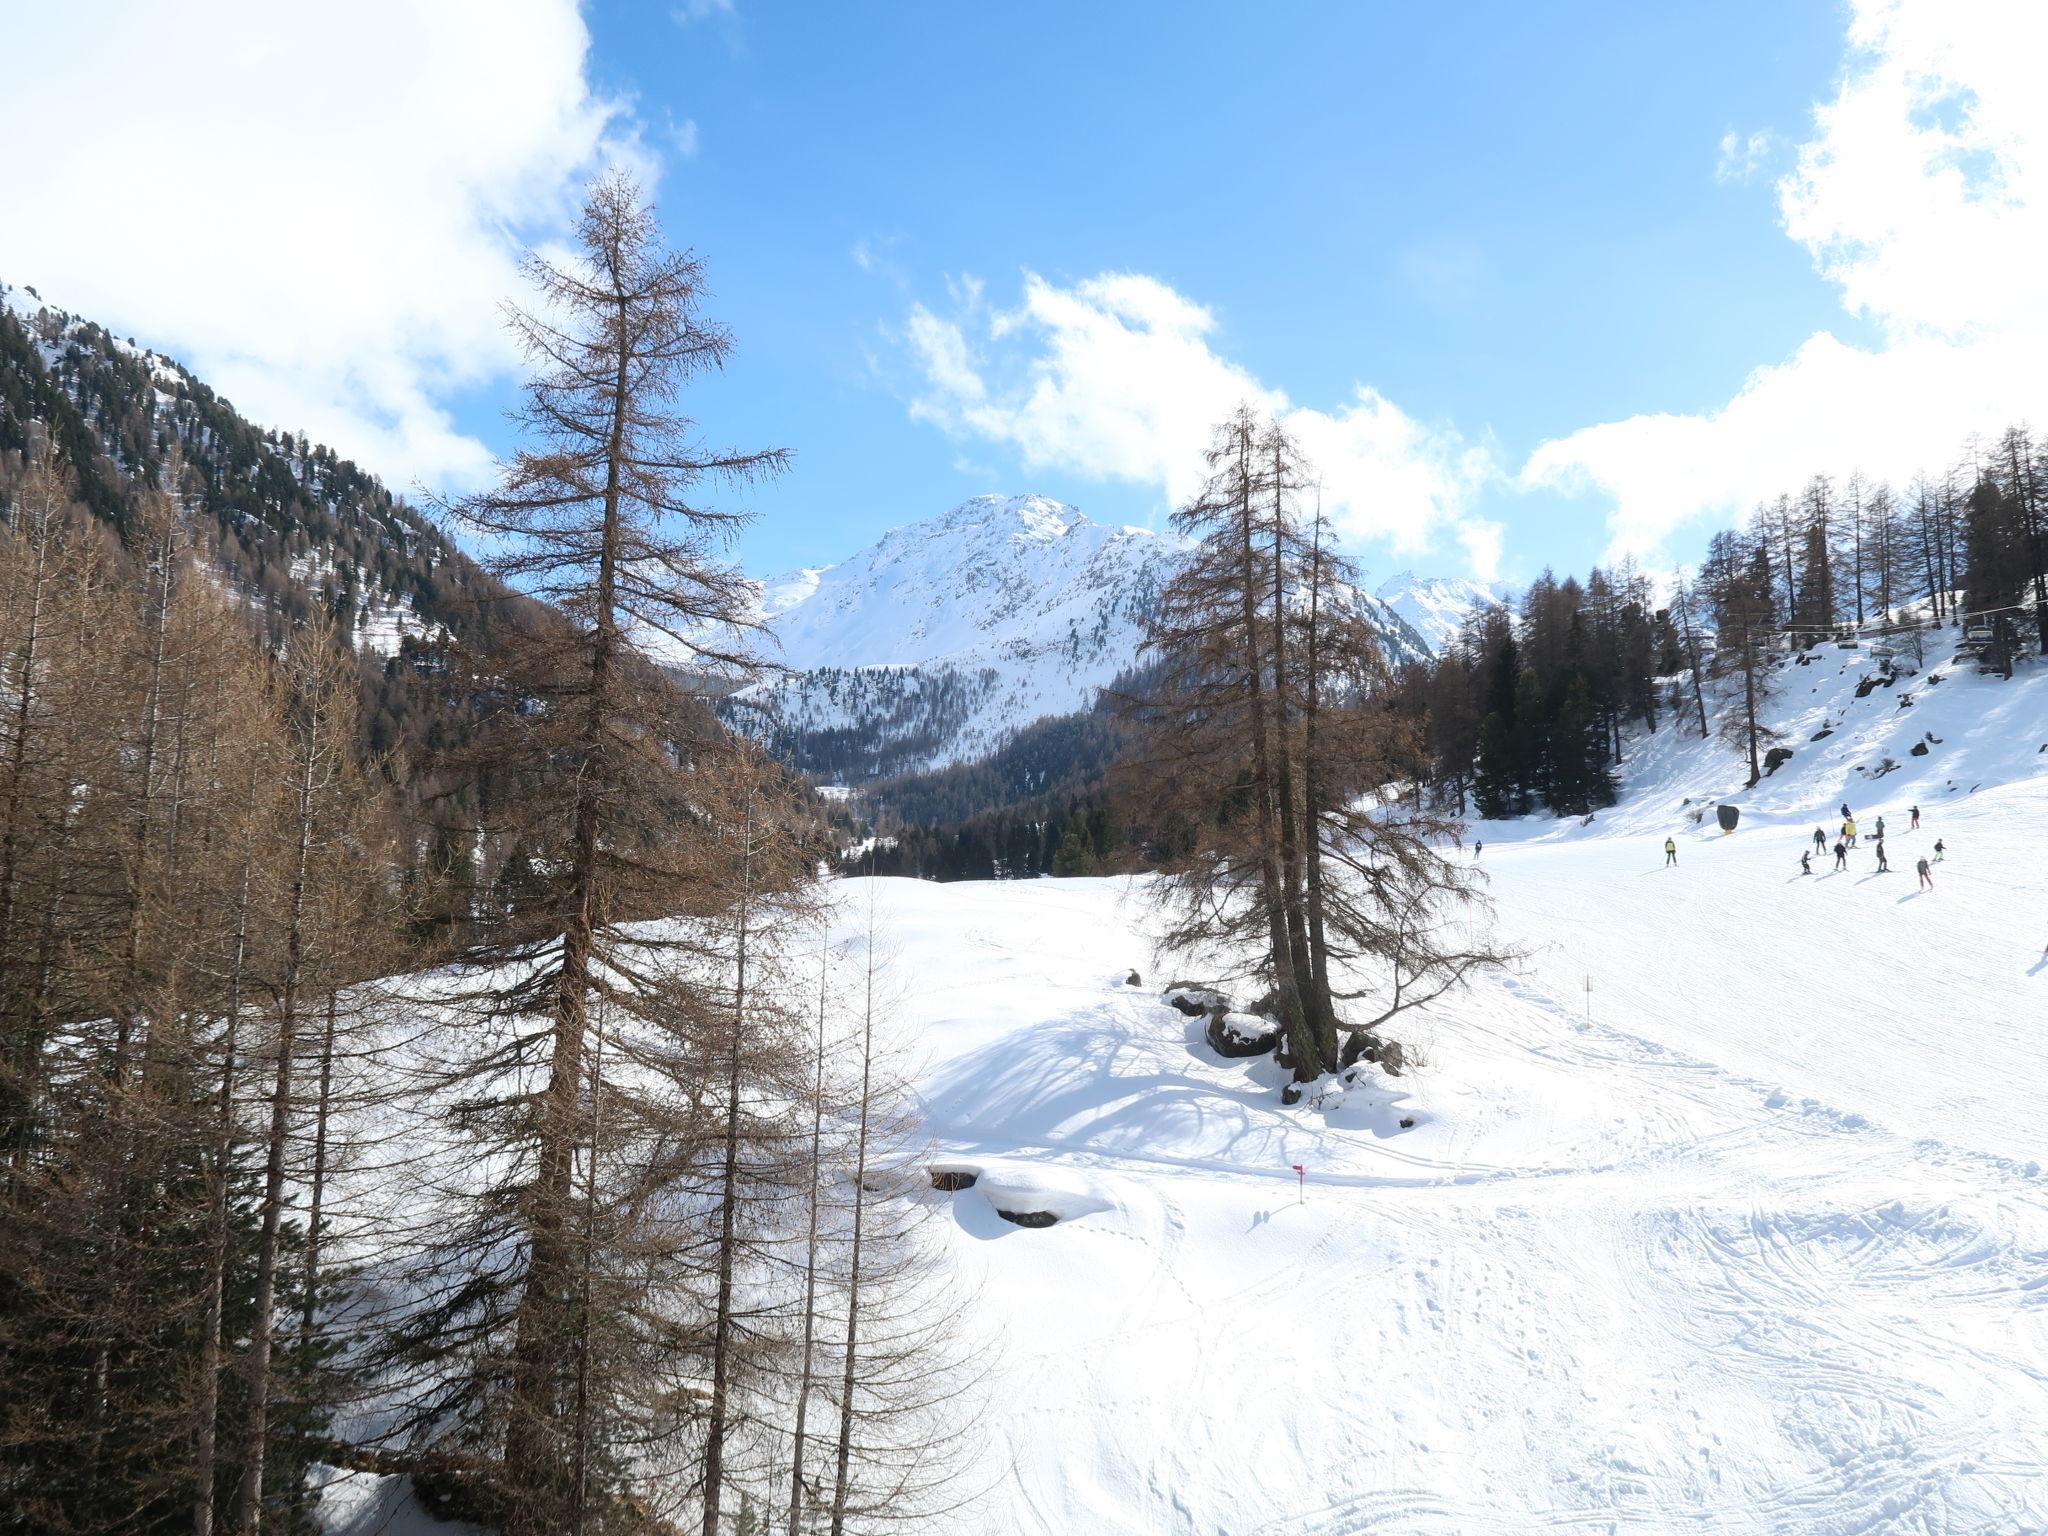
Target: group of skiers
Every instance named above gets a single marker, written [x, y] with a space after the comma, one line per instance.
[1847, 839]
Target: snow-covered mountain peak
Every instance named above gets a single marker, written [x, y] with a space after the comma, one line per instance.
[943, 636]
[1035, 518]
[995, 578]
[1435, 607]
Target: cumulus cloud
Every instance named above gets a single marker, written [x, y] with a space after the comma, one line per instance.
[1117, 378]
[1923, 196]
[318, 209]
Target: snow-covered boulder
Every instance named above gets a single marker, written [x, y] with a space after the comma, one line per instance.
[954, 1175]
[1364, 1045]
[1241, 1034]
[1039, 1196]
[1194, 999]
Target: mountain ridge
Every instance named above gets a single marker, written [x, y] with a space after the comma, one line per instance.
[934, 643]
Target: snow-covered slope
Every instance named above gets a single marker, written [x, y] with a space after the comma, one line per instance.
[1723, 1210]
[938, 640]
[1436, 607]
[997, 580]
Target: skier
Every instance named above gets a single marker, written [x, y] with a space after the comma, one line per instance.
[1849, 833]
[1670, 852]
[1880, 829]
[1915, 827]
[1883, 864]
[1845, 810]
[1926, 876]
[1939, 851]
[1476, 848]
[1820, 841]
[1805, 862]
[1841, 854]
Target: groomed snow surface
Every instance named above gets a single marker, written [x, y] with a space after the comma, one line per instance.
[1751, 1238]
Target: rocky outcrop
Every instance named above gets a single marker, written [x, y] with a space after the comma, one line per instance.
[1195, 998]
[1240, 1034]
[1364, 1045]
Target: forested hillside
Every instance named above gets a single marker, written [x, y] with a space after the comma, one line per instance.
[414, 1047]
[1532, 710]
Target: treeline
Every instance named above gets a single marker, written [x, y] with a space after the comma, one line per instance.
[1529, 708]
[1971, 539]
[1085, 838]
[897, 715]
[303, 536]
[1039, 804]
[290, 523]
[608, 1221]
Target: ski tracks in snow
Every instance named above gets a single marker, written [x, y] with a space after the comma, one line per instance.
[1608, 1283]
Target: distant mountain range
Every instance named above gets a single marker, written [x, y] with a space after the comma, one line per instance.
[931, 647]
[936, 642]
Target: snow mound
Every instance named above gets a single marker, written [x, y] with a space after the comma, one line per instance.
[1040, 1196]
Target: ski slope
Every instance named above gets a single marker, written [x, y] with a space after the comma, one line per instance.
[1753, 1237]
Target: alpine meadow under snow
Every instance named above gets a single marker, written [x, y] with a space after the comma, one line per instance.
[1750, 1237]
[514, 1024]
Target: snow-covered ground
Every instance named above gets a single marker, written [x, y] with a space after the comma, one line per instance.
[1753, 1237]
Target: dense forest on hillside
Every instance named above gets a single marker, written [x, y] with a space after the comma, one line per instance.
[426, 1048]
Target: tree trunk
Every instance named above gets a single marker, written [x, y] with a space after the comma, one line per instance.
[1749, 664]
[1315, 1010]
[316, 1196]
[17, 1118]
[1692, 651]
[1286, 985]
[250, 1513]
[721, 1340]
[207, 1410]
[532, 1439]
[1312, 799]
[803, 1386]
[843, 1473]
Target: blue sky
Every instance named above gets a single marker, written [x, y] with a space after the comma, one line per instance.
[1507, 219]
[1534, 284]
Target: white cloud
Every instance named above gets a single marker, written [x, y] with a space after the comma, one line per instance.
[318, 209]
[1481, 540]
[1923, 195]
[682, 138]
[1743, 155]
[1116, 378]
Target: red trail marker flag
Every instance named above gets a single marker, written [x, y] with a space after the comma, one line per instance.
[1301, 1187]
